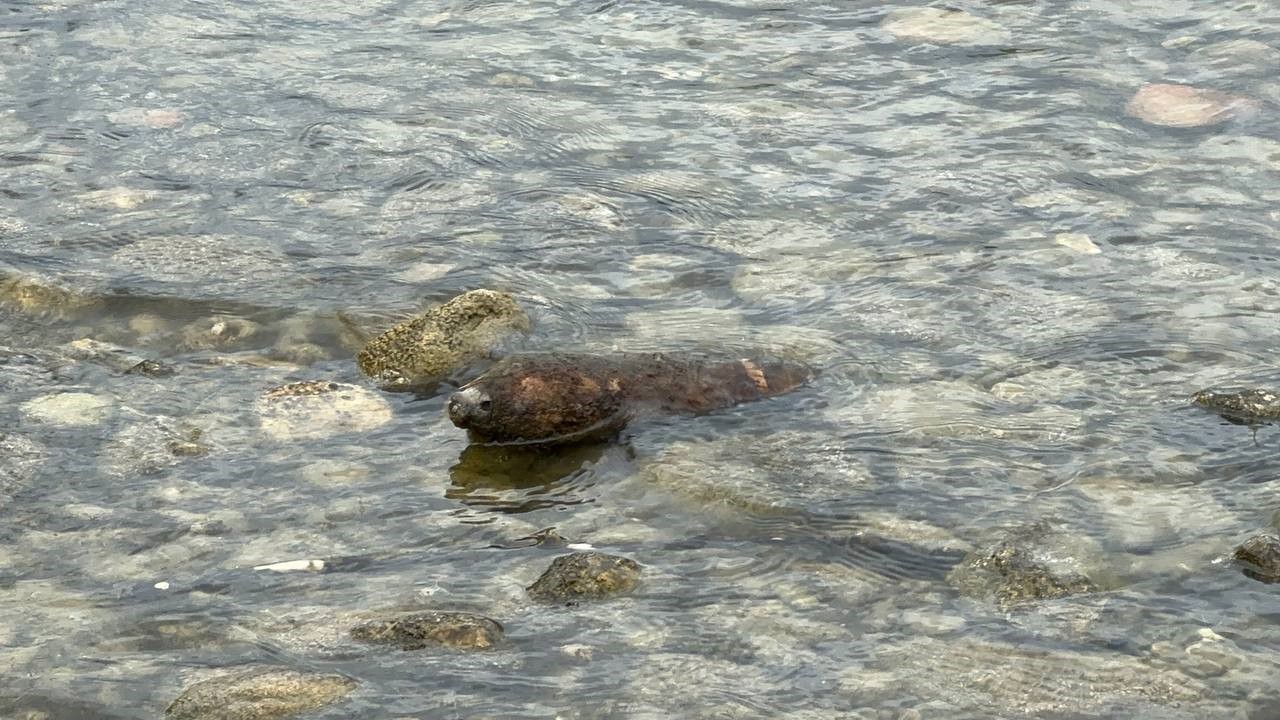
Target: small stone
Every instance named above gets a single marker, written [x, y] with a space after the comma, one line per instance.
[1259, 557]
[1184, 106]
[162, 585]
[258, 694]
[152, 368]
[460, 631]
[318, 409]
[585, 575]
[1078, 242]
[70, 409]
[943, 26]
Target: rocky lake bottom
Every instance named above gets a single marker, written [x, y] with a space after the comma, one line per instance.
[1014, 240]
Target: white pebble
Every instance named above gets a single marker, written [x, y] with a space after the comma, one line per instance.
[293, 566]
[1078, 242]
[580, 546]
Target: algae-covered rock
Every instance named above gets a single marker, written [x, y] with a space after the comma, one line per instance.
[1034, 562]
[1259, 557]
[442, 340]
[1244, 407]
[585, 576]
[460, 631]
[258, 694]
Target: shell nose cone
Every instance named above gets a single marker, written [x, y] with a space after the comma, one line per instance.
[467, 405]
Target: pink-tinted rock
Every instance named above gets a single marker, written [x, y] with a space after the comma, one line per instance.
[1184, 106]
[163, 119]
[154, 118]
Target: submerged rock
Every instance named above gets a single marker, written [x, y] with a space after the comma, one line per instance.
[943, 26]
[585, 576]
[442, 340]
[552, 398]
[1184, 106]
[1244, 407]
[116, 358]
[218, 333]
[1259, 557]
[318, 409]
[20, 459]
[46, 299]
[1030, 563]
[69, 409]
[460, 631]
[259, 694]
[149, 446]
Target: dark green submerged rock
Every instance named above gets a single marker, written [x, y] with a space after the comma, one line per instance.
[262, 693]
[585, 576]
[460, 631]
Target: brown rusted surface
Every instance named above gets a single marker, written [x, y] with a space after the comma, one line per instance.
[562, 397]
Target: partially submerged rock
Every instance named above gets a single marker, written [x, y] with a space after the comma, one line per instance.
[1244, 407]
[585, 576]
[1030, 563]
[442, 340]
[555, 398]
[258, 694]
[460, 631]
[1185, 106]
[1259, 557]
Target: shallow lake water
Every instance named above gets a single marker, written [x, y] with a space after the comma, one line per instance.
[1010, 287]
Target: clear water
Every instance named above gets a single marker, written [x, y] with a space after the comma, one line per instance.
[218, 185]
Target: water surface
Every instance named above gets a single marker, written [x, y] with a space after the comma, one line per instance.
[1011, 289]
